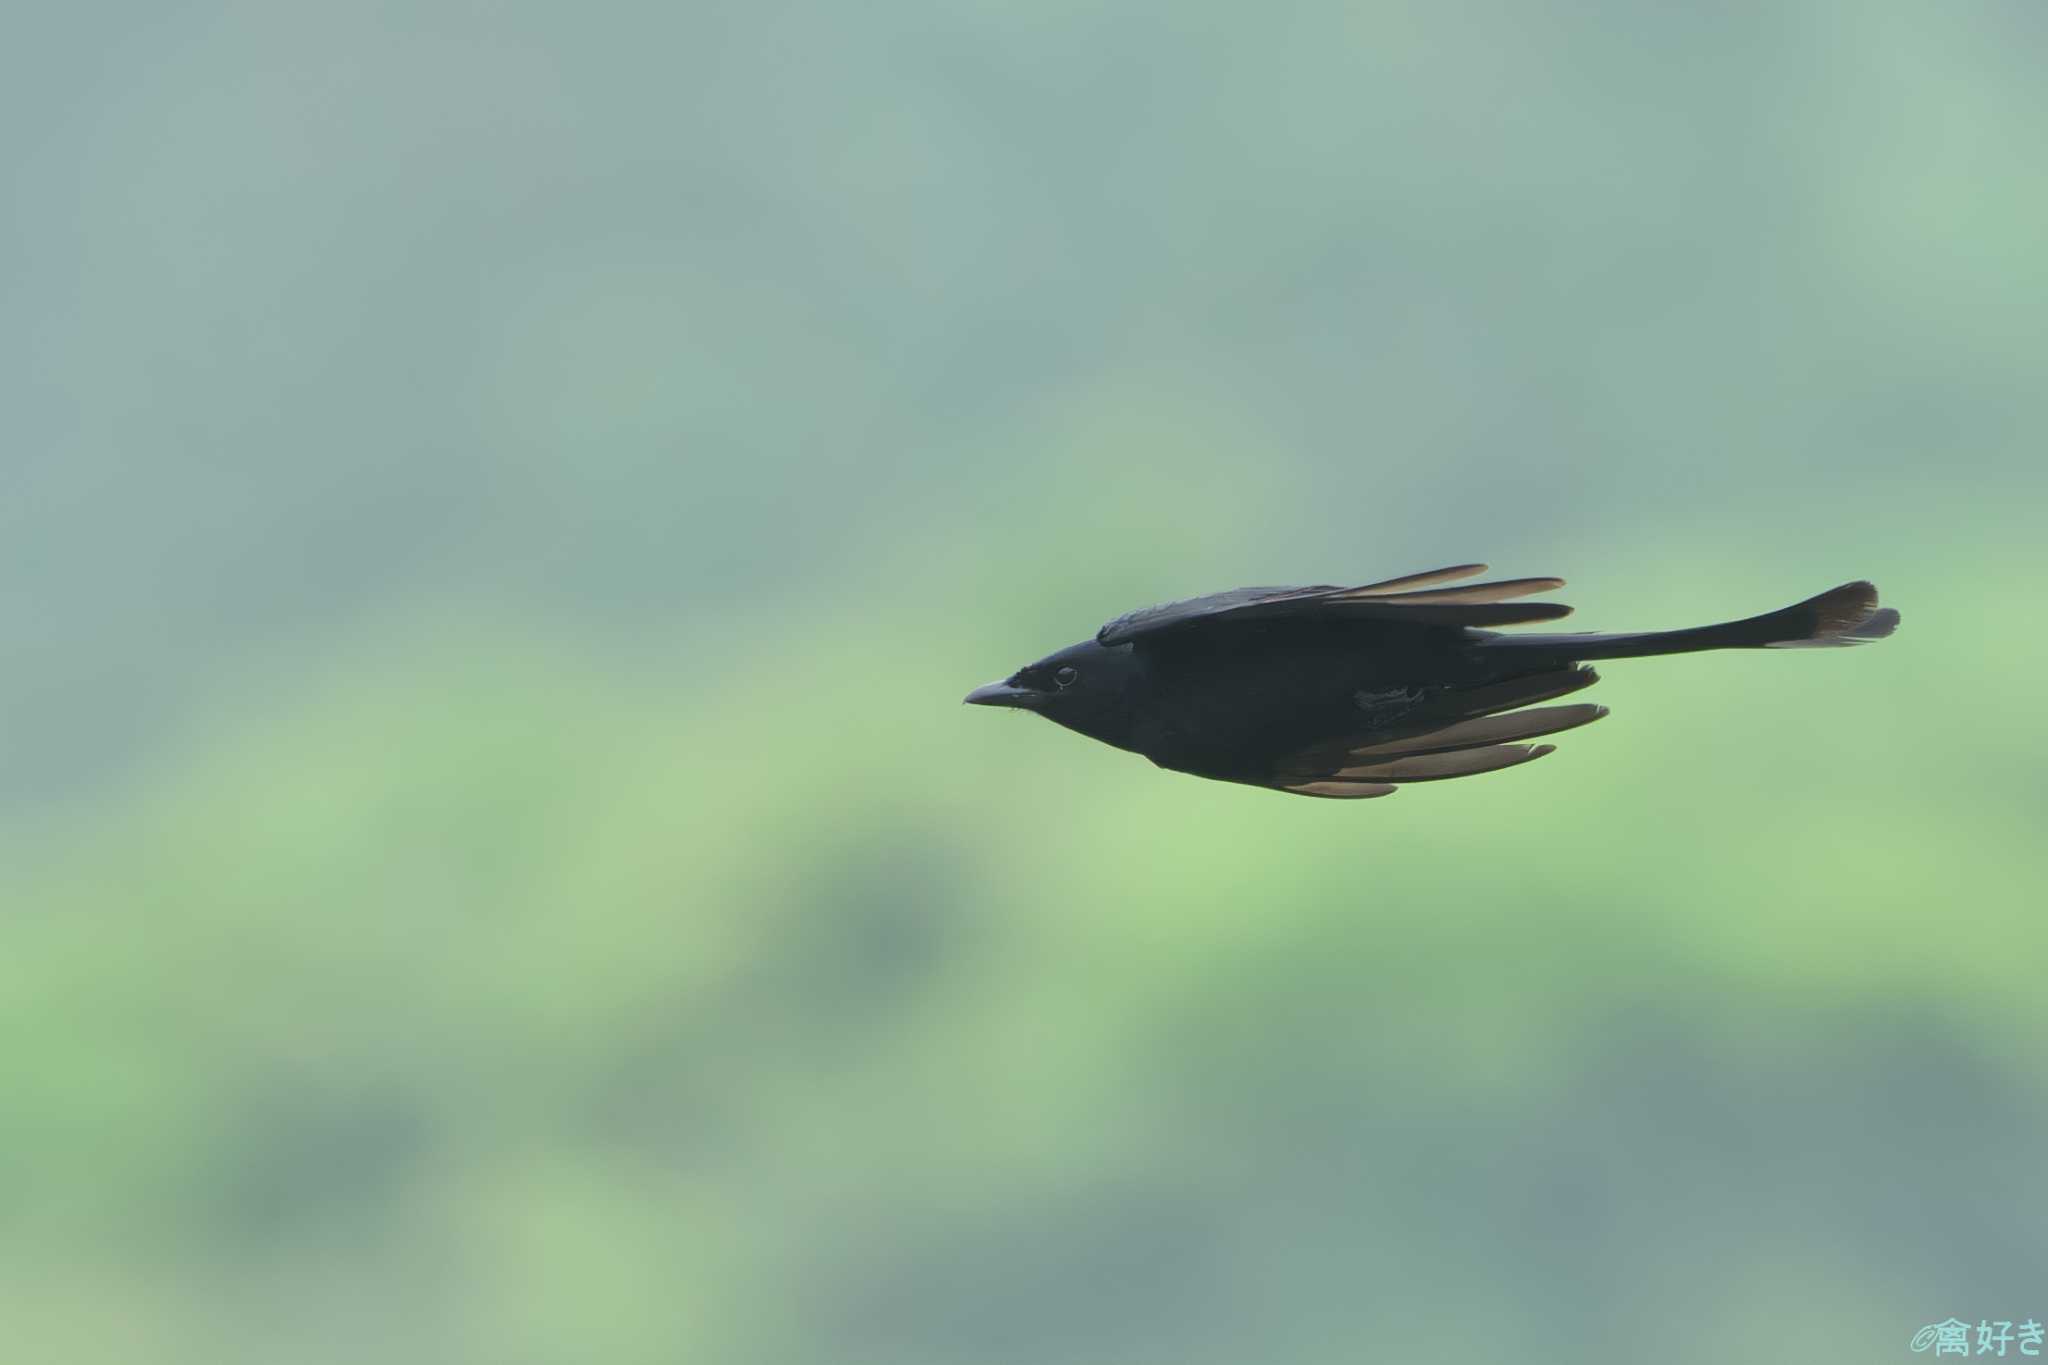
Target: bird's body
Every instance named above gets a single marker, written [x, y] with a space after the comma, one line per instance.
[1313, 680]
[1348, 692]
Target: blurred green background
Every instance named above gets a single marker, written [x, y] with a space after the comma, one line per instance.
[502, 503]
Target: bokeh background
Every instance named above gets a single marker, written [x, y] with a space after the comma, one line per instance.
[501, 503]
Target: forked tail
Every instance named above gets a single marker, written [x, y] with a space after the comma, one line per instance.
[1848, 615]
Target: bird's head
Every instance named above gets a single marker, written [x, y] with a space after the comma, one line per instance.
[1084, 687]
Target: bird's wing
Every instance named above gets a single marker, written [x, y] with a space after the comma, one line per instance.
[1456, 734]
[1412, 598]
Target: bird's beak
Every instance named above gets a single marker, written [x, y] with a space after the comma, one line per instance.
[1001, 694]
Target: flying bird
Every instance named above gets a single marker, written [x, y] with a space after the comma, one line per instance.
[1351, 692]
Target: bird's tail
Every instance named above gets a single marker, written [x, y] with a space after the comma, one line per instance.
[1848, 615]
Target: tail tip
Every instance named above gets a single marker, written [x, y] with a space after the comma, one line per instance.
[1848, 615]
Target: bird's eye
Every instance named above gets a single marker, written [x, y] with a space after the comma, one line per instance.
[1065, 677]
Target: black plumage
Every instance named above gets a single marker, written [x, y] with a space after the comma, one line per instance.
[1351, 692]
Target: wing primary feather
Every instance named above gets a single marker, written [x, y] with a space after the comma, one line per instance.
[1501, 590]
[1494, 729]
[1416, 580]
[1428, 613]
[1436, 767]
[1523, 691]
[1341, 791]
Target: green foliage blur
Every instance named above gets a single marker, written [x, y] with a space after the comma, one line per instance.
[501, 503]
